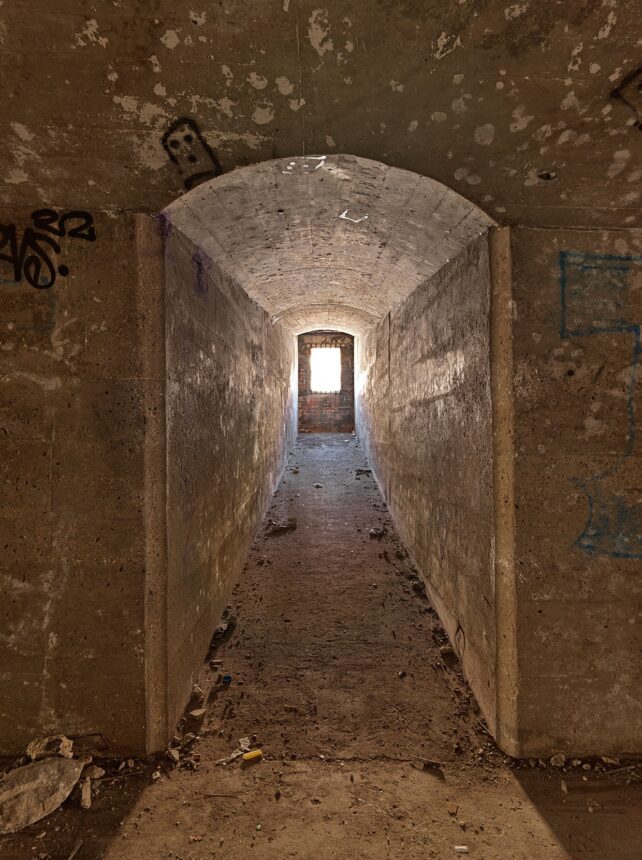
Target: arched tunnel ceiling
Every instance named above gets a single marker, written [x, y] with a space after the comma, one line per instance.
[327, 242]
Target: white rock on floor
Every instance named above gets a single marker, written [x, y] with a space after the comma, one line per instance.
[30, 793]
[50, 746]
[85, 793]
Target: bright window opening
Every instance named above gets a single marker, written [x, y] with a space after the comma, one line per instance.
[325, 369]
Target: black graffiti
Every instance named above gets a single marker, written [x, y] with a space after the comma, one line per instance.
[629, 93]
[32, 256]
[190, 152]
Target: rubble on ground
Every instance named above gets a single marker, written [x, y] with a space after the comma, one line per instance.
[50, 746]
[247, 751]
[53, 770]
[279, 527]
[35, 790]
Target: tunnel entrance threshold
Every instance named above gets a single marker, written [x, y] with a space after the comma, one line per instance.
[400, 281]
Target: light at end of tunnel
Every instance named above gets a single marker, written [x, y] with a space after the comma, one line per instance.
[325, 369]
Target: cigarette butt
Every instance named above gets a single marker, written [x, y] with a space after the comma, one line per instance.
[252, 755]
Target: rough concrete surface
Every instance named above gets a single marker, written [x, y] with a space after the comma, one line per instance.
[502, 396]
[73, 408]
[508, 103]
[424, 413]
[578, 491]
[231, 413]
[372, 743]
[450, 118]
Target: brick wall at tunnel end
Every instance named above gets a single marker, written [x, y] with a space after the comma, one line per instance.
[331, 412]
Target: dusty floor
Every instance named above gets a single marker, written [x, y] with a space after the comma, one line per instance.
[342, 674]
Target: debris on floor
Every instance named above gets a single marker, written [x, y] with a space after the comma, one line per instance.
[35, 790]
[253, 755]
[377, 532]
[76, 849]
[85, 793]
[376, 744]
[50, 746]
[94, 772]
[243, 751]
[173, 755]
[195, 718]
[432, 767]
[224, 629]
[197, 697]
[279, 527]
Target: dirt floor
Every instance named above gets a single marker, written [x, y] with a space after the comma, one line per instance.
[372, 743]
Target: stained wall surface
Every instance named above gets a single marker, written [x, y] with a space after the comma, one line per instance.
[578, 498]
[530, 111]
[231, 415]
[75, 394]
[509, 104]
[424, 411]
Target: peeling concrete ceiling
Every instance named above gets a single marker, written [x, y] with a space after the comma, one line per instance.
[327, 242]
[530, 109]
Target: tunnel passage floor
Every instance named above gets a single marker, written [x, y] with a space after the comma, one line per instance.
[341, 670]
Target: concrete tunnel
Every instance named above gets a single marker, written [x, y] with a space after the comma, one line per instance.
[412, 595]
[181, 412]
[405, 265]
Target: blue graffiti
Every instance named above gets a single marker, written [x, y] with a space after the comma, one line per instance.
[596, 298]
[614, 527]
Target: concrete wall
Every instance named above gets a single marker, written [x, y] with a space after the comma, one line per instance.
[460, 97]
[101, 628]
[74, 395]
[330, 412]
[578, 482]
[231, 415]
[424, 412]
[509, 105]
[542, 598]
